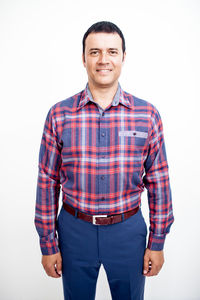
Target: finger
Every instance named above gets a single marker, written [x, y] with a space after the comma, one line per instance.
[148, 269]
[59, 267]
[153, 270]
[146, 265]
[51, 271]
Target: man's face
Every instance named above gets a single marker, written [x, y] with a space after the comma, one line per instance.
[103, 58]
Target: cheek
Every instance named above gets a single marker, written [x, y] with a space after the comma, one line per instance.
[118, 68]
[118, 64]
[90, 66]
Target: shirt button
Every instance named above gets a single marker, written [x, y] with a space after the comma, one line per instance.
[134, 133]
[103, 134]
[103, 198]
[102, 177]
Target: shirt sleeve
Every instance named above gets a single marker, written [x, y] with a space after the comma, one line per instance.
[156, 181]
[48, 188]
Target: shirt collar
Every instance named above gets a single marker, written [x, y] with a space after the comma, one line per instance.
[119, 97]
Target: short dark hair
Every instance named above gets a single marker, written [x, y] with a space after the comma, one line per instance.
[106, 27]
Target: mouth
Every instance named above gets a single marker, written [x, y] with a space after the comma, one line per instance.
[104, 71]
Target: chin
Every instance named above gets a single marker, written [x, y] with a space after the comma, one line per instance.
[105, 82]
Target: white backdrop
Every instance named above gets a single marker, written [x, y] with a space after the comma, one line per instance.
[40, 64]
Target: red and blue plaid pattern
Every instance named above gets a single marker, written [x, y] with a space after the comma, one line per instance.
[103, 160]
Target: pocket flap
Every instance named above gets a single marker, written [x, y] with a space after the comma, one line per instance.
[134, 133]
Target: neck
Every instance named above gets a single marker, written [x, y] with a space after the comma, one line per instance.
[103, 95]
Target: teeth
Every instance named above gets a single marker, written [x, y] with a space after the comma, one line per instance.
[103, 71]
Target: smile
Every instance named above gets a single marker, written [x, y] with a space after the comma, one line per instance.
[104, 70]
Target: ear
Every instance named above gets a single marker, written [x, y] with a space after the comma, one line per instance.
[83, 59]
[124, 56]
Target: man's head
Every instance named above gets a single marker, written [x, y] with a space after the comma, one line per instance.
[103, 53]
[106, 27]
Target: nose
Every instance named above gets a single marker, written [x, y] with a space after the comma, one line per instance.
[103, 58]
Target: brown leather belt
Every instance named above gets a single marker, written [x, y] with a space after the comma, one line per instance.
[100, 219]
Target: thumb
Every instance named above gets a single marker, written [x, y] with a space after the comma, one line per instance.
[59, 266]
[146, 265]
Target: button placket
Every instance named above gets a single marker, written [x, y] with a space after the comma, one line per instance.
[103, 143]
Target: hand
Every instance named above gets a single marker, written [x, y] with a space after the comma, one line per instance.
[153, 262]
[52, 264]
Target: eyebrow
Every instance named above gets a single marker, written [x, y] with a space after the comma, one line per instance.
[92, 49]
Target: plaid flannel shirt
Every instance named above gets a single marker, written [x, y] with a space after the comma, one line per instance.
[103, 159]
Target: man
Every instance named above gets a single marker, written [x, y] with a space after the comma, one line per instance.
[103, 146]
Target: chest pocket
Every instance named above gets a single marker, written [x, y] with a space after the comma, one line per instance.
[133, 137]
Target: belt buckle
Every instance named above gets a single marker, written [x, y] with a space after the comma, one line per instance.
[97, 216]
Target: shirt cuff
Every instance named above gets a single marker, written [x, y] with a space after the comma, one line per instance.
[49, 246]
[156, 241]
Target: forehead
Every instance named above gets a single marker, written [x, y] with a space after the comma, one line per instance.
[103, 40]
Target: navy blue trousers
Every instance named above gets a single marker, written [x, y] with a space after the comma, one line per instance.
[119, 247]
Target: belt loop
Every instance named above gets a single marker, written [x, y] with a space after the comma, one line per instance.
[76, 212]
[122, 217]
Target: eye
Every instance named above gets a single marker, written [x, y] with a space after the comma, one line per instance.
[94, 52]
[113, 52]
